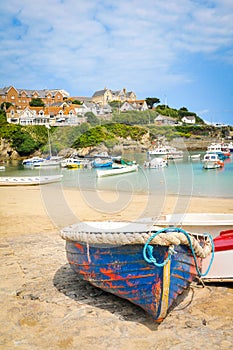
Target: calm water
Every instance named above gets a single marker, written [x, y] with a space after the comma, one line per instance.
[180, 177]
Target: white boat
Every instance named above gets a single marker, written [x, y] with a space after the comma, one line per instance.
[221, 269]
[168, 151]
[214, 147]
[74, 163]
[230, 146]
[175, 154]
[117, 171]
[219, 148]
[195, 156]
[101, 155]
[50, 161]
[32, 161]
[160, 151]
[212, 161]
[155, 163]
[211, 223]
[29, 180]
[2, 167]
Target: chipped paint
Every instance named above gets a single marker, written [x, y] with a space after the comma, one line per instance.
[122, 270]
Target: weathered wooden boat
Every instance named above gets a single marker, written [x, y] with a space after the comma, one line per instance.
[196, 222]
[122, 169]
[29, 180]
[135, 261]
[222, 268]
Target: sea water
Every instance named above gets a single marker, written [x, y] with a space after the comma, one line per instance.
[180, 177]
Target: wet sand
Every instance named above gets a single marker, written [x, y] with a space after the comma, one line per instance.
[44, 305]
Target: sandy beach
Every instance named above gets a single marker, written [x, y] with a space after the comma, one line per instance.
[44, 305]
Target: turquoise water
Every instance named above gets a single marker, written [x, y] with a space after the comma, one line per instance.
[182, 177]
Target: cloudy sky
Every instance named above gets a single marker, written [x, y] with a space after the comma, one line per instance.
[180, 51]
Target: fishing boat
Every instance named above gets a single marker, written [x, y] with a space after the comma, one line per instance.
[196, 222]
[220, 150]
[29, 180]
[119, 170]
[222, 268]
[155, 163]
[212, 161]
[141, 263]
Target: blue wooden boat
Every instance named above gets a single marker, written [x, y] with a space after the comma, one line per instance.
[102, 163]
[144, 264]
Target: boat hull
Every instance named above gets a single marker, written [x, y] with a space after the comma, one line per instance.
[122, 271]
[117, 171]
[221, 269]
[29, 180]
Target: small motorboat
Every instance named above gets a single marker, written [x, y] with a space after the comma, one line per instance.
[74, 163]
[221, 269]
[144, 264]
[156, 163]
[212, 161]
[119, 170]
[29, 180]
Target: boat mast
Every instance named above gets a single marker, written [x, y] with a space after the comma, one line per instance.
[49, 141]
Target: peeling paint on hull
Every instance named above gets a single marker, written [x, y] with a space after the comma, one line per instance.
[122, 271]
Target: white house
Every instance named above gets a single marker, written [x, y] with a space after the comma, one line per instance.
[189, 120]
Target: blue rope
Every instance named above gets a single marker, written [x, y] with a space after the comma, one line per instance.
[148, 249]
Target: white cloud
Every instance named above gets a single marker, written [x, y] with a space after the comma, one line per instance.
[88, 43]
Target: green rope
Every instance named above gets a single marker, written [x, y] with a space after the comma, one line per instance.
[148, 249]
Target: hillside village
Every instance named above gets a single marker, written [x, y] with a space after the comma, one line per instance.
[60, 109]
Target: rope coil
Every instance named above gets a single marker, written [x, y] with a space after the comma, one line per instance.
[202, 245]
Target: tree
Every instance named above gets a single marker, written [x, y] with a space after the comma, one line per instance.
[151, 101]
[5, 105]
[92, 119]
[77, 102]
[36, 102]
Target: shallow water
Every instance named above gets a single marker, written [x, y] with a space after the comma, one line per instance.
[181, 177]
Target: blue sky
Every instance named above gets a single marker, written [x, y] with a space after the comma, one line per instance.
[180, 51]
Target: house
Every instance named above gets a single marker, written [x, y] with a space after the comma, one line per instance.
[105, 96]
[21, 98]
[57, 115]
[189, 120]
[164, 120]
[126, 107]
[137, 105]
